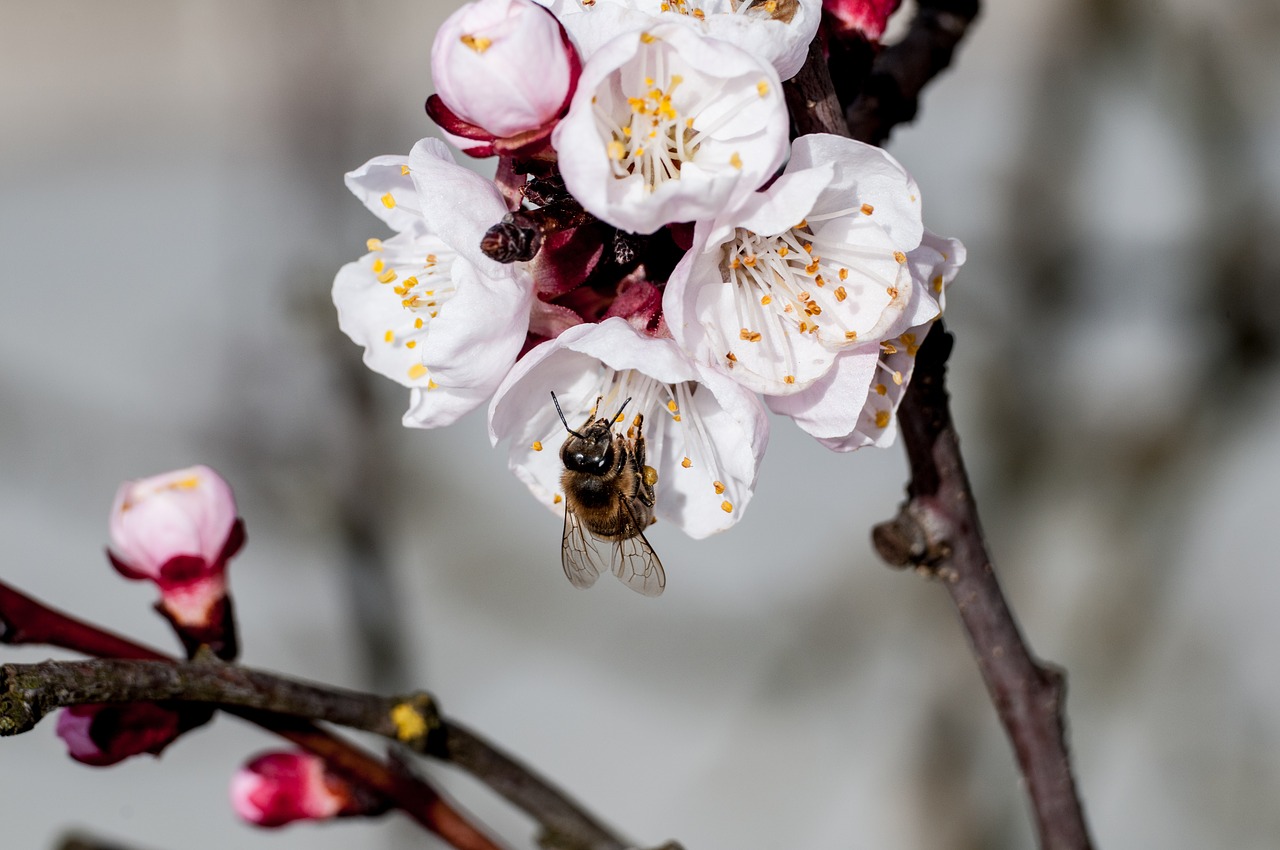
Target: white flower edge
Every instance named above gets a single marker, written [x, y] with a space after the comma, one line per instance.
[717, 426]
[855, 404]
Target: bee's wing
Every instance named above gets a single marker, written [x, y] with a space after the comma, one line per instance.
[578, 552]
[635, 563]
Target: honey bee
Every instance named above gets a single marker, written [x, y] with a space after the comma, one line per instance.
[609, 497]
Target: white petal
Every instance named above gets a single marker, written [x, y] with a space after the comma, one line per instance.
[457, 204]
[383, 185]
[440, 406]
[479, 332]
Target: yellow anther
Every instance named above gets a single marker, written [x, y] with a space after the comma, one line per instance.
[537, 445]
[432, 385]
[812, 268]
[844, 274]
[417, 323]
[808, 247]
[893, 292]
[735, 160]
[731, 357]
[617, 150]
[937, 283]
[686, 463]
[373, 244]
[619, 417]
[888, 348]
[557, 500]
[410, 282]
[413, 343]
[417, 370]
[477, 43]
[749, 261]
[404, 170]
[850, 335]
[719, 487]
[900, 257]
[783, 250]
[766, 300]
[672, 406]
[388, 201]
[389, 336]
[647, 38]
[726, 506]
[882, 389]
[897, 378]
[735, 263]
[771, 6]
[819, 281]
[882, 419]
[841, 294]
[762, 88]
[789, 379]
[431, 259]
[378, 266]
[867, 209]
[387, 276]
[650, 476]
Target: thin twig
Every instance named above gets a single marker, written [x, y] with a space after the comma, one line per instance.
[937, 531]
[890, 96]
[24, 620]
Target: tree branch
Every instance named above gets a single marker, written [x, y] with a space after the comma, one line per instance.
[24, 620]
[30, 691]
[890, 96]
[937, 530]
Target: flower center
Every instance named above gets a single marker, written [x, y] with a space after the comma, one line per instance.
[420, 278]
[652, 139]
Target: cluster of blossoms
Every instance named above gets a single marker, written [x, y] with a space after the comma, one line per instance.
[653, 233]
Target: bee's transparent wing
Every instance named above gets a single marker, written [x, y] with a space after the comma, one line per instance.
[636, 565]
[579, 553]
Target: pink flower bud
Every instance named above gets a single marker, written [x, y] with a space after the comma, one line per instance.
[866, 17]
[102, 735]
[504, 67]
[178, 530]
[281, 787]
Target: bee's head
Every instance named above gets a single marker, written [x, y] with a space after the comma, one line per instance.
[590, 450]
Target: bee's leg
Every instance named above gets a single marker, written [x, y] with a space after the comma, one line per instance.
[648, 475]
[591, 417]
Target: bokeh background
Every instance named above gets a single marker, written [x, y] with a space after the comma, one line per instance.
[171, 216]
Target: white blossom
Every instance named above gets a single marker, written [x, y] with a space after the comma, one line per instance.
[812, 266]
[705, 433]
[667, 126]
[430, 309]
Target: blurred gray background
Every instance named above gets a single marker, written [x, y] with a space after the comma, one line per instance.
[172, 213]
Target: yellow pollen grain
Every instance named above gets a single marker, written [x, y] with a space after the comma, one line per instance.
[431, 259]
[719, 487]
[373, 244]
[812, 268]
[557, 500]
[477, 43]
[808, 247]
[378, 266]
[841, 294]
[867, 209]
[417, 323]
[432, 385]
[803, 296]
[789, 379]
[686, 463]
[413, 343]
[937, 283]
[672, 406]
[404, 169]
[726, 506]
[893, 292]
[731, 357]
[783, 250]
[417, 370]
[387, 276]
[647, 38]
[389, 336]
[850, 335]
[882, 419]
[736, 161]
[537, 445]
[897, 378]
[749, 261]
[766, 300]
[675, 418]
[619, 417]
[888, 348]
[818, 280]
[762, 88]
[844, 274]
[744, 334]
[388, 201]
[617, 150]
[900, 257]
[409, 722]
[882, 389]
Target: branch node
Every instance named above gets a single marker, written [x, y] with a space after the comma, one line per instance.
[417, 722]
[16, 715]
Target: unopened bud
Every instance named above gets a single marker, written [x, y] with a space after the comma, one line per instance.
[102, 735]
[504, 66]
[865, 17]
[281, 787]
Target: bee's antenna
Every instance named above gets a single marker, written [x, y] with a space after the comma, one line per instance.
[620, 409]
[556, 402]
